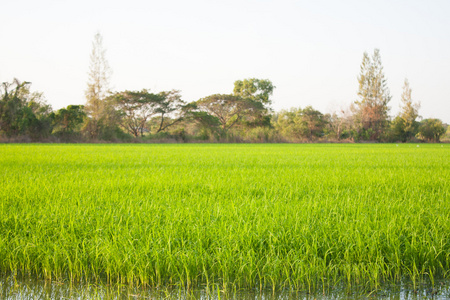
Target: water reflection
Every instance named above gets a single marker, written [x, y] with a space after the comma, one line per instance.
[27, 287]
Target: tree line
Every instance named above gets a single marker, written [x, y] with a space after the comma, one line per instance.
[244, 115]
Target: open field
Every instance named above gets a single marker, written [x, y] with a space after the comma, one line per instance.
[246, 216]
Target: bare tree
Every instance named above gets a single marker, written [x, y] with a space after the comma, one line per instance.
[97, 108]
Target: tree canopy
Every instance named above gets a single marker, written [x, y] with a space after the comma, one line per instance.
[256, 89]
[23, 112]
[135, 109]
[243, 115]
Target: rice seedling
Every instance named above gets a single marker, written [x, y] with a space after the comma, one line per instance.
[301, 217]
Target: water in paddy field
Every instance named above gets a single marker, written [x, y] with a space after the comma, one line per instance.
[29, 288]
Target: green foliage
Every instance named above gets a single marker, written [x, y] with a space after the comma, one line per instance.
[298, 123]
[431, 130]
[257, 89]
[169, 105]
[67, 121]
[105, 128]
[396, 131]
[227, 117]
[262, 135]
[244, 116]
[294, 217]
[136, 108]
[23, 113]
[229, 109]
[208, 126]
[405, 126]
[141, 110]
[446, 136]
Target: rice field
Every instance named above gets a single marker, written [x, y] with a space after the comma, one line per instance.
[248, 216]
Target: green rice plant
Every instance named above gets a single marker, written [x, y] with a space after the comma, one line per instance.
[229, 216]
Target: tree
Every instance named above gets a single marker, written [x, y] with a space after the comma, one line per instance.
[431, 130]
[409, 112]
[257, 89]
[23, 112]
[229, 109]
[170, 102]
[11, 106]
[97, 109]
[41, 111]
[207, 124]
[396, 131]
[136, 108]
[341, 123]
[314, 121]
[404, 127]
[298, 123]
[67, 120]
[446, 135]
[289, 123]
[371, 110]
[247, 106]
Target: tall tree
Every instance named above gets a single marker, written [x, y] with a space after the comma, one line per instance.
[97, 109]
[371, 109]
[409, 112]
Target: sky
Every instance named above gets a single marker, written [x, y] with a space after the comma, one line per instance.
[310, 50]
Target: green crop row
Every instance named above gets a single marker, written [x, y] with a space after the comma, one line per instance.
[246, 216]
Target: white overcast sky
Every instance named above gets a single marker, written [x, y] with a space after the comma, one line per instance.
[310, 50]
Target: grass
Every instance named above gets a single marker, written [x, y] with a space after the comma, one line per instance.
[232, 216]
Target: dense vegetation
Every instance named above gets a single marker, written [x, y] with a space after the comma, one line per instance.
[245, 115]
[299, 216]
